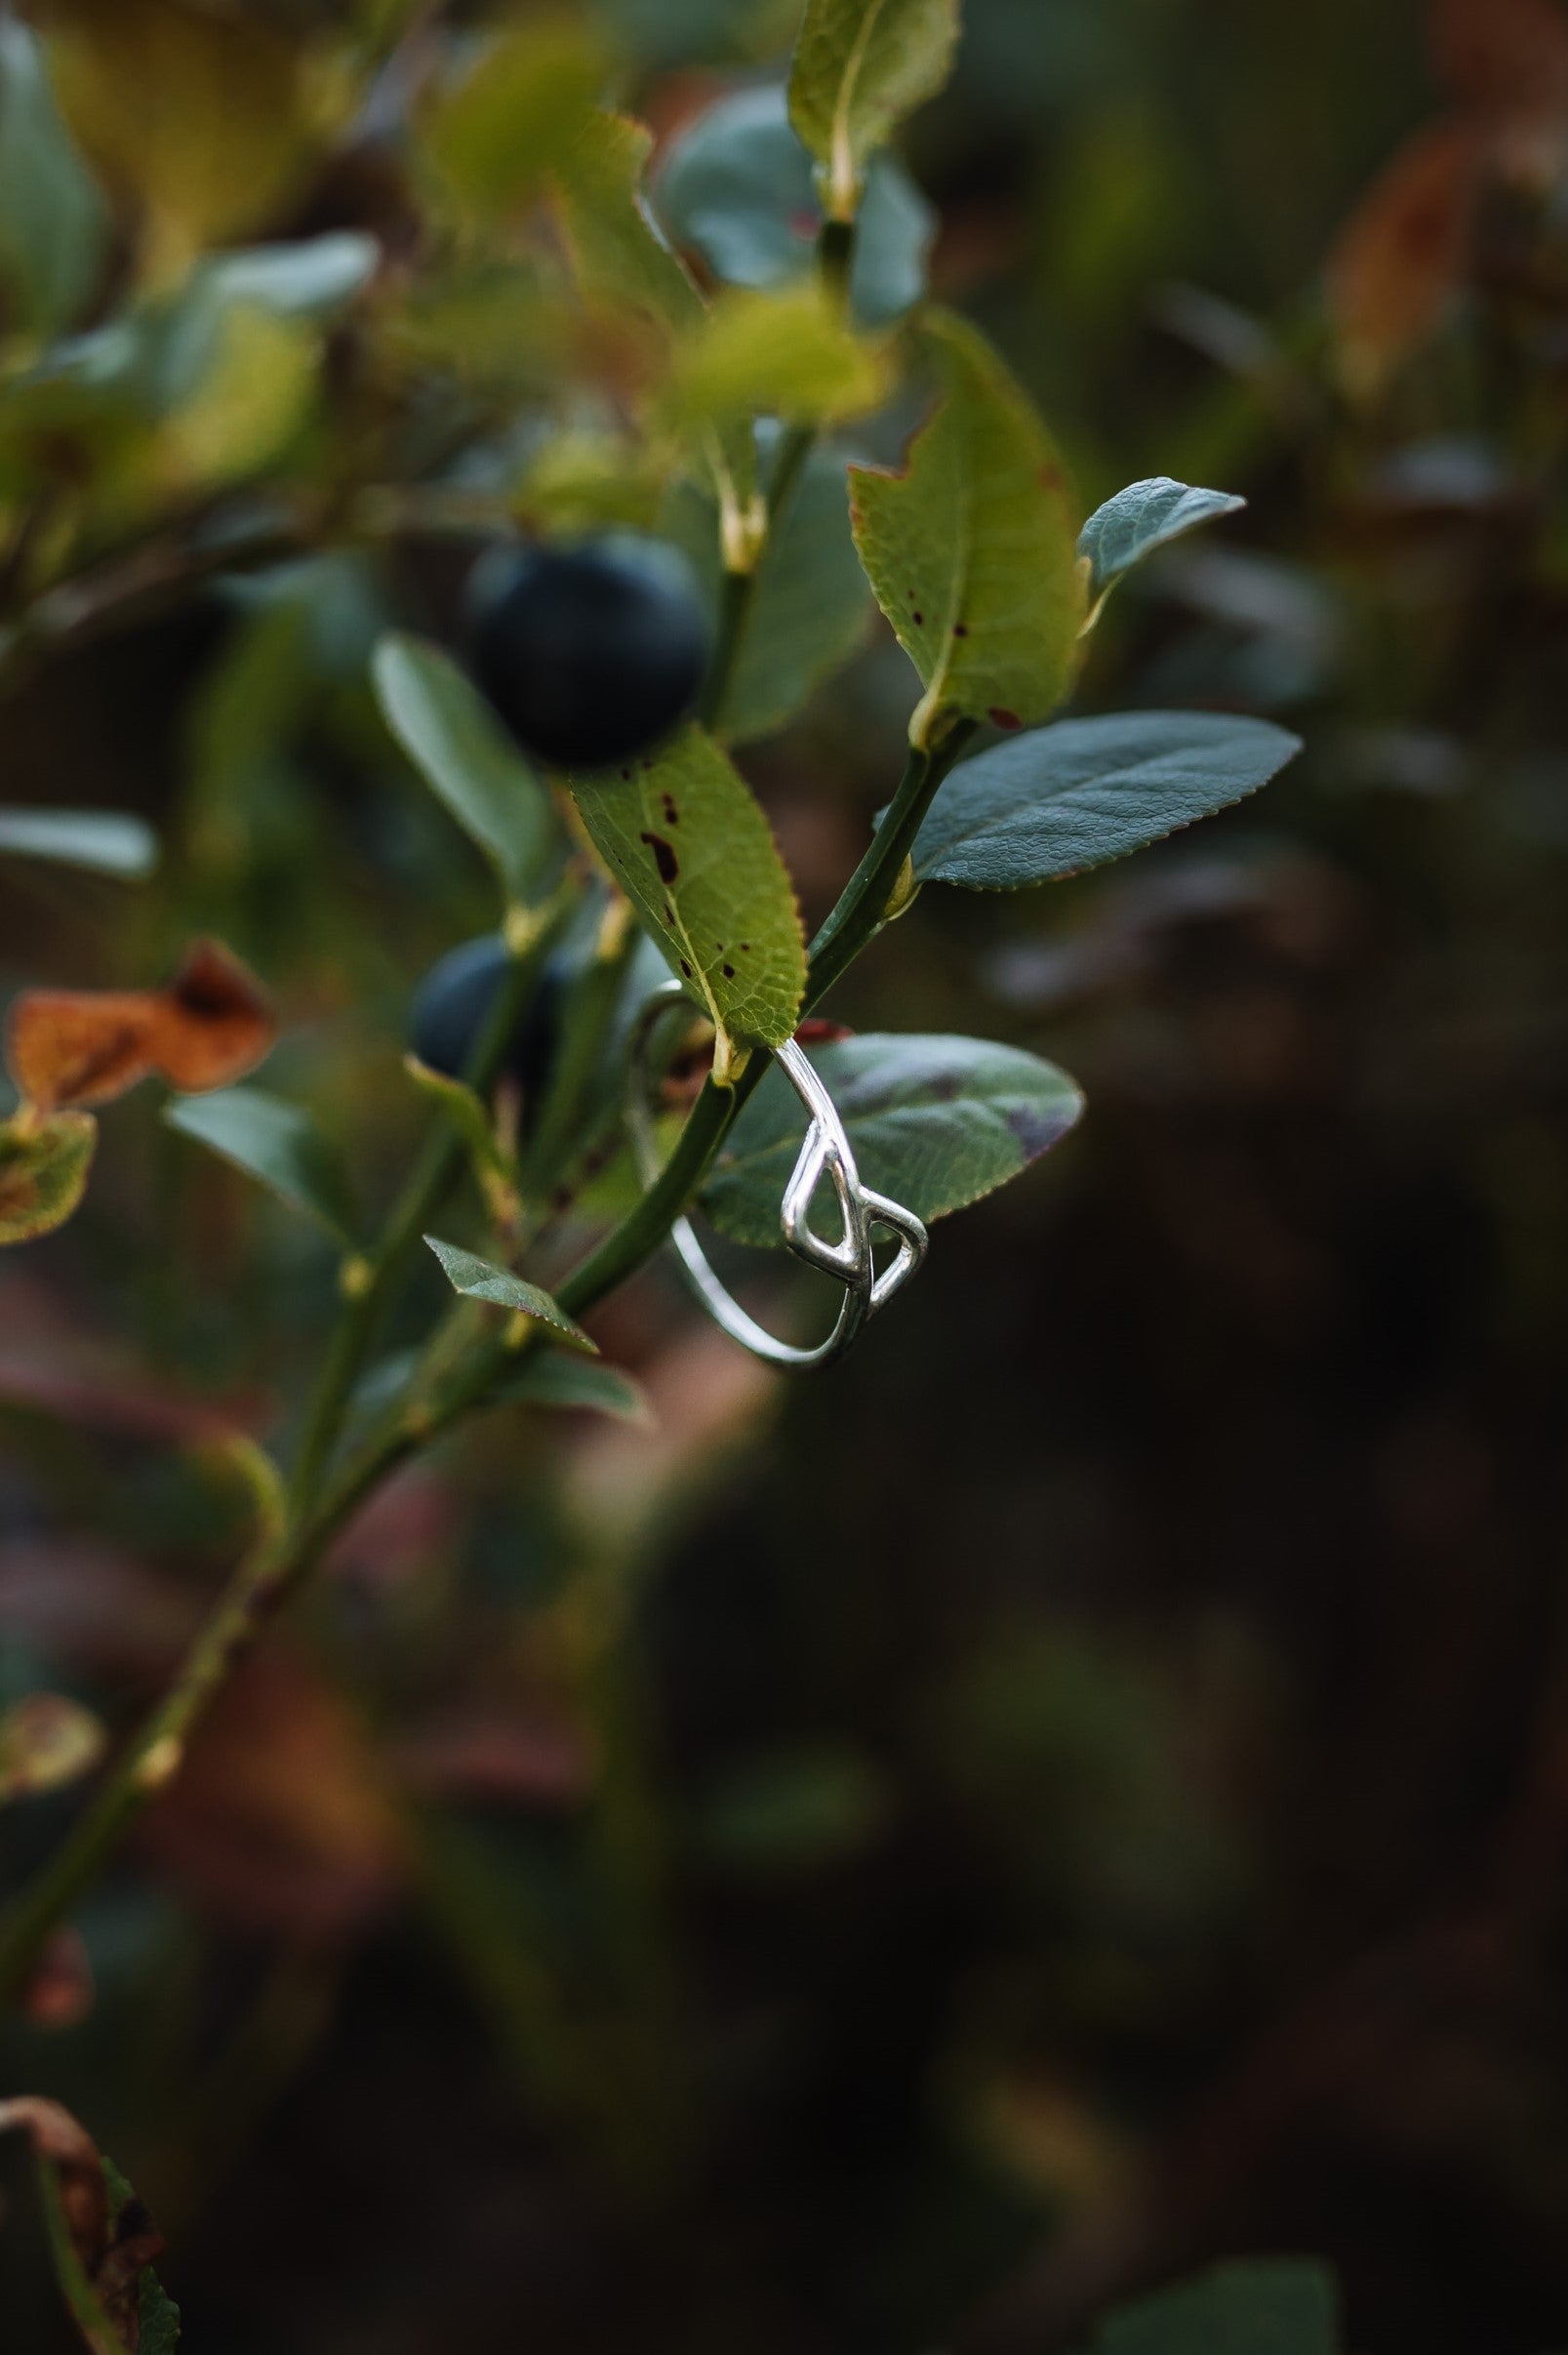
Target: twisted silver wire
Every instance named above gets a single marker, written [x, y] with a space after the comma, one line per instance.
[826, 1152]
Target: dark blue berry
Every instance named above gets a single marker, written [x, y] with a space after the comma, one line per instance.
[451, 1005]
[590, 654]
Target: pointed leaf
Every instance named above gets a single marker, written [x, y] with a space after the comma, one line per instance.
[1086, 791]
[454, 740]
[480, 1278]
[102, 840]
[1274, 2307]
[972, 551]
[684, 837]
[736, 187]
[555, 1377]
[1141, 518]
[279, 1145]
[935, 1124]
[43, 1173]
[860, 67]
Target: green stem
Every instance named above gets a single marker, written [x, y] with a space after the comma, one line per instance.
[371, 1281]
[862, 904]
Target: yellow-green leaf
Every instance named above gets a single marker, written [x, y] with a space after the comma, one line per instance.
[791, 355]
[860, 67]
[684, 837]
[254, 395]
[43, 1171]
[621, 256]
[203, 116]
[971, 550]
[521, 109]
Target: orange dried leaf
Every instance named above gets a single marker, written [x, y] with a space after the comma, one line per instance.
[1400, 260]
[214, 1022]
[211, 1026]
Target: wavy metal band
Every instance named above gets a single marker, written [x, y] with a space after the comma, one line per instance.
[826, 1152]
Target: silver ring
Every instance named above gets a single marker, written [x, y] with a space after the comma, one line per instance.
[826, 1152]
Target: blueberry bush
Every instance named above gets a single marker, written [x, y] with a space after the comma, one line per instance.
[547, 506]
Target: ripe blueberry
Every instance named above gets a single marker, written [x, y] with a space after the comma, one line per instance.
[451, 1005]
[591, 654]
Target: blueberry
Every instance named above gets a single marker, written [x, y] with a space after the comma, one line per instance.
[453, 1002]
[592, 653]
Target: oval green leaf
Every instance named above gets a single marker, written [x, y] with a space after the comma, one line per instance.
[860, 67]
[935, 1124]
[971, 550]
[104, 841]
[1145, 516]
[555, 1377]
[736, 187]
[277, 1144]
[449, 732]
[684, 837]
[1087, 791]
[54, 222]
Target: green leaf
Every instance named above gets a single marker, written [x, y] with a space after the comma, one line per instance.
[788, 356]
[102, 840]
[43, 1171]
[518, 109]
[623, 257]
[1276, 2306]
[54, 224]
[860, 67]
[449, 732]
[736, 187]
[480, 1278]
[971, 550]
[1086, 791]
[1141, 518]
[555, 1378]
[276, 1143]
[618, 247]
[468, 1116]
[812, 606]
[684, 837]
[308, 280]
[935, 1124]
[159, 2317]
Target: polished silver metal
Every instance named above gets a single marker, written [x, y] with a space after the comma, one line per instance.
[826, 1152]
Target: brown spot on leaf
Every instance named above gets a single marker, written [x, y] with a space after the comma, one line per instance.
[729, 972]
[671, 813]
[1000, 717]
[960, 629]
[665, 858]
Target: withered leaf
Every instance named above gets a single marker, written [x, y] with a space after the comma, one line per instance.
[102, 2237]
[1401, 260]
[207, 1028]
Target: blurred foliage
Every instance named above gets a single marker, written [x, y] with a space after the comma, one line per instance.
[923, 1859]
